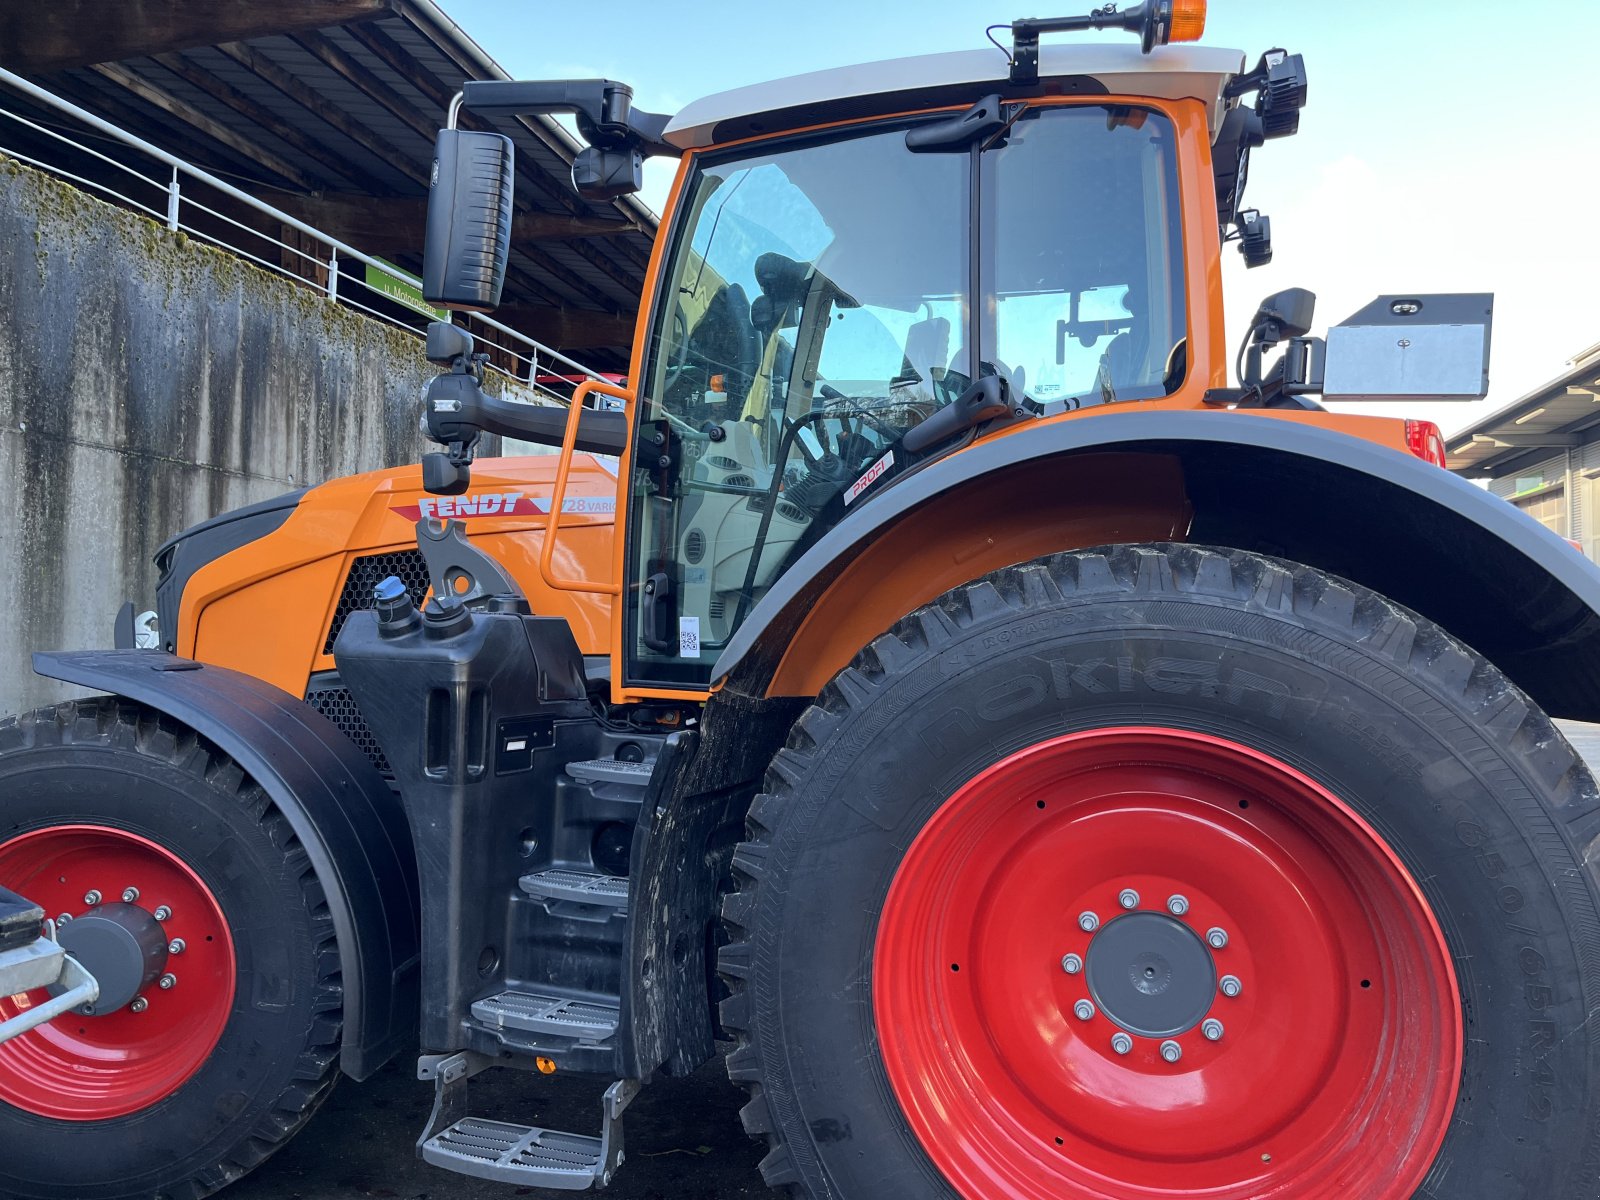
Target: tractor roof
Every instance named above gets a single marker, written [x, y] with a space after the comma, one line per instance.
[936, 80]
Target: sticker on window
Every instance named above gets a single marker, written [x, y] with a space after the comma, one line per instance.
[688, 637]
[874, 473]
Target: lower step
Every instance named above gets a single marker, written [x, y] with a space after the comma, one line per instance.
[577, 887]
[583, 1020]
[505, 1153]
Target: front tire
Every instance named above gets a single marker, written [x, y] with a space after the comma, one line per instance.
[111, 811]
[991, 818]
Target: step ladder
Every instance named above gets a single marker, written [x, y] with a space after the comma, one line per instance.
[524, 1155]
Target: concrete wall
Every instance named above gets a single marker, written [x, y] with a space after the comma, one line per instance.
[148, 382]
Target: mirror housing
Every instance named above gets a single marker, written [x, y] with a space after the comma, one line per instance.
[1412, 348]
[468, 238]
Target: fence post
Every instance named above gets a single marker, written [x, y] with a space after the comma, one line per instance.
[172, 202]
[333, 274]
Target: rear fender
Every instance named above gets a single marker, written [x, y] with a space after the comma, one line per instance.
[344, 814]
[1428, 539]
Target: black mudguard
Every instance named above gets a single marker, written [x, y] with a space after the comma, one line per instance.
[1422, 536]
[340, 808]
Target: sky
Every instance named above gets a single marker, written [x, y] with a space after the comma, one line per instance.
[1448, 145]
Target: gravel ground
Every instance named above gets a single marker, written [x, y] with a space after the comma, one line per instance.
[684, 1141]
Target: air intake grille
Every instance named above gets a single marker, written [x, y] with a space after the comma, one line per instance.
[333, 700]
[366, 573]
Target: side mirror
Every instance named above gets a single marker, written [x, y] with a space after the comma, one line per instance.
[469, 220]
[1412, 348]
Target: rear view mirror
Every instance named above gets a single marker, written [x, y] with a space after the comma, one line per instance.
[1412, 348]
[469, 220]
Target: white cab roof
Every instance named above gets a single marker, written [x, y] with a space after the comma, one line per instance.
[1169, 72]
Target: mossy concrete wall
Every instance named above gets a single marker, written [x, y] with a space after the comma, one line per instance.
[148, 381]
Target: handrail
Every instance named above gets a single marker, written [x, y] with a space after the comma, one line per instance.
[171, 215]
[558, 496]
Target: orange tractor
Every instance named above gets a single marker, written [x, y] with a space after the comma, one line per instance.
[1058, 772]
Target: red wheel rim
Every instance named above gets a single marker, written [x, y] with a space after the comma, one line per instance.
[1339, 1059]
[90, 1068]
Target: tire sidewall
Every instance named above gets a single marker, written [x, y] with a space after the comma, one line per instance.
[218, 831]
[1460, 808]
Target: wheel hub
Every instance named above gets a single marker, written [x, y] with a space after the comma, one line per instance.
[122, 946]
[1151, 974]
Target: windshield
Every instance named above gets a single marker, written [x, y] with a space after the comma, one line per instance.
[817, 306]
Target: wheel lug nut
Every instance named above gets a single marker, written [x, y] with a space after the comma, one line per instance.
[1231, 986]
[1171, 1051]
[1211, 1028]
[1083, 1010]
[1217, 937]
[1072, 964]
[1128, 898]
[1088, 922]
[129, 895]
[163, 913]
[139, 1004]
[167, 982]
[91, 897]
[1121, 1043]
[1177, 905]
[177, 946]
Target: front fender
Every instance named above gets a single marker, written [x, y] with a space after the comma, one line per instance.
[340, 808]
[1426, 538]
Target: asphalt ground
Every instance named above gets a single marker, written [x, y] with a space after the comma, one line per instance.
[684, 1140]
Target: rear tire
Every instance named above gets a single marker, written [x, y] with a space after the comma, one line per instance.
[1349, 719]
[122, 797]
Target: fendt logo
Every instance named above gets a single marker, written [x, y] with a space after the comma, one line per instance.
[499, 504]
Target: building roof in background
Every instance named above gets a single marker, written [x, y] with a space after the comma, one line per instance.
[1561, 414]
[327, 109]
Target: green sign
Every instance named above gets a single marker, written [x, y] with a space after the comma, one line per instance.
[401, 292]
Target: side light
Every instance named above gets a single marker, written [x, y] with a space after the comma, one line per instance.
[1188, 21]
[1425, 441]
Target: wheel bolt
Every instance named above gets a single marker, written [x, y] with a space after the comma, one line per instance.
[163, 913]
[177, 946]
[1121, 1043]
[1212, 1029]
[167, 981]
[1171, 1051]
[1128, 898]
[1072, 964]
[1231, 986]
[91, 897]
[129, 895]
[139, 1004]
[1217, 937]
[1177, 905]
[1088, 922]
[1083, 1010]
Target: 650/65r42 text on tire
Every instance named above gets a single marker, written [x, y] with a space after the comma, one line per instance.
[1160, 871]
[217, 1032]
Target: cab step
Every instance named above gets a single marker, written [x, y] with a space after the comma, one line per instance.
[612, 770]
[577, 887]
[586, 1021]
[523, 1155]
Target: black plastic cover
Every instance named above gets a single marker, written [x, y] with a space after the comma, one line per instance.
[469, 220]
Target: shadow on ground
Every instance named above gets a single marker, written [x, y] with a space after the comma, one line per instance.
[684, 1141]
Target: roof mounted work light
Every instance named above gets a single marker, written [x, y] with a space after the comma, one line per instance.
[1157, 22]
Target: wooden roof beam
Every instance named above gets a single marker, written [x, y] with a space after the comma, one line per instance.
[54, 37]
[151, 94]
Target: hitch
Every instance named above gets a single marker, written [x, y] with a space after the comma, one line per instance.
[30, 959]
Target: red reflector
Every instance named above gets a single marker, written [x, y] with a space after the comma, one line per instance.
[1425, 441]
